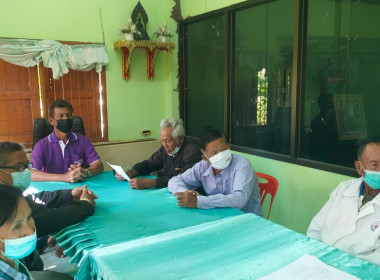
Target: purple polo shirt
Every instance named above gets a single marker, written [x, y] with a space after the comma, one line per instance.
[47, 153]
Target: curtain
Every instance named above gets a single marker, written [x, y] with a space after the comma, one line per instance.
[54, 55]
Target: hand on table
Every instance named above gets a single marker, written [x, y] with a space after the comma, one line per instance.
[71, 177]
[142, 183]
[187, 199]
[88, 195]
[77, 192]
[74, 174]
[78, 172]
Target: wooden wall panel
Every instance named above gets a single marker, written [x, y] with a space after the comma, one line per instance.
[19, 102]
[81, 89]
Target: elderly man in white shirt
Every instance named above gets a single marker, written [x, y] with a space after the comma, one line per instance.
[350, 219]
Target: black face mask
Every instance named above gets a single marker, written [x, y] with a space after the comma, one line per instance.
[65, 125]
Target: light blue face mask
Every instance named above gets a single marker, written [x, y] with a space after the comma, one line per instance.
[20, 247]
[21, 179]
[176, 149]
[372, 178]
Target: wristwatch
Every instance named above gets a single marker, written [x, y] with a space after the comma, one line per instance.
[89, 173]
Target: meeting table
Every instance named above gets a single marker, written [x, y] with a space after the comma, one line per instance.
[143, 234]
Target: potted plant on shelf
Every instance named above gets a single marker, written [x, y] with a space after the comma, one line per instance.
[128, 30]
[162, 33]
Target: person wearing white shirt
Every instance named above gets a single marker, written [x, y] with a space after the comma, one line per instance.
[350, 219]
[227, 179]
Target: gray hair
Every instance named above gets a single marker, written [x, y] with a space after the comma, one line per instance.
[178, 129]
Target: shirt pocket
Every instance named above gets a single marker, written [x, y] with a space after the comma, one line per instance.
[177, 171]
[77, 159]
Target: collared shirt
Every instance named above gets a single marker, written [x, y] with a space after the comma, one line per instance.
[344, 223]
[235, 186]
[48, 156]
[7, 272]
[169, 166]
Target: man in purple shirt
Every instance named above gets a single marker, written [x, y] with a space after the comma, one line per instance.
[228, 179]
[63, 155]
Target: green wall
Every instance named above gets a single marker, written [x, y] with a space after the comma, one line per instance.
[302, 191]
[134, 105]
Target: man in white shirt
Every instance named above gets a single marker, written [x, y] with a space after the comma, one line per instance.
[350, 219]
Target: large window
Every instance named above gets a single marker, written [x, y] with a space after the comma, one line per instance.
[314, 60]
[342, 82]
[26, 93]
[262, 60]
[206, 75]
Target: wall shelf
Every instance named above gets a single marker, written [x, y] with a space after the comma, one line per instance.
[151, 48]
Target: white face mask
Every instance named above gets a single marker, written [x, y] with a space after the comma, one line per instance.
[221, 160]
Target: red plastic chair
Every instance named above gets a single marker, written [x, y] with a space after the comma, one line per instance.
[271, 187]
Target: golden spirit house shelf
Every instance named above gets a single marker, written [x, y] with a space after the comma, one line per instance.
[151, 48]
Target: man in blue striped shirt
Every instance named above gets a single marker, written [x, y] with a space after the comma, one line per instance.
[228, 179]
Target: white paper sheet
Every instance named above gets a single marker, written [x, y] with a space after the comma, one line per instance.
[310, 268]
[119, 170]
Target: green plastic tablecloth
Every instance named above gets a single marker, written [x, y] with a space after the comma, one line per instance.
[143, 234]
[124, 214]
[239, 247]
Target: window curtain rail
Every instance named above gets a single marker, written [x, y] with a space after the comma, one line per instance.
[54, 55]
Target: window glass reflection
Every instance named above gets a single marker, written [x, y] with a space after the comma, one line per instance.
[205, 76]
[341, 79]
[261, 96]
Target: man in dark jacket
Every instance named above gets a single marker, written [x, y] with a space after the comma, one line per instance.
[176, 155]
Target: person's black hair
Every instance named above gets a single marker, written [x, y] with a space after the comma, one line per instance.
[59, 104]
[363, 144]
[9, 198]
[209, 137]
[7, 148]
[326, 100]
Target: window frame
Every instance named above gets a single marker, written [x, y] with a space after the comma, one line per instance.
[298, 82]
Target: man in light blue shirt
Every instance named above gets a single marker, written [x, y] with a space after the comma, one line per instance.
[228, 179]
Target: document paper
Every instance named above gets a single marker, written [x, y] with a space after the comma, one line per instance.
[311, 268]
[119, 170]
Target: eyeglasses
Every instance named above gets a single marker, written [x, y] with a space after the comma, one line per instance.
[20, 168]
